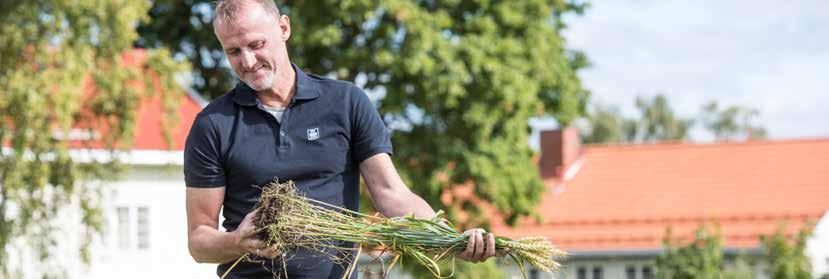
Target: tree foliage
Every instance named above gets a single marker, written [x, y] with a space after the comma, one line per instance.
[787, 256]
[50, 54]
[457, 80]
[605, 124]
[184, 26]
[656, 121]
[733, 122]
[703, 257]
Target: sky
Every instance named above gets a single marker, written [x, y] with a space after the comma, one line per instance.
[764, 54]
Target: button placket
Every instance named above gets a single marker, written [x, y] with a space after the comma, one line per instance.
[277, 122]
[282, 124]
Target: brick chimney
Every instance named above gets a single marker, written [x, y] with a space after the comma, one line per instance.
[559, 149]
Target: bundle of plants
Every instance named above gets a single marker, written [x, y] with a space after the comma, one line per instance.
[288, 220]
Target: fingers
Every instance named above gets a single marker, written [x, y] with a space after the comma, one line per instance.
[246, 228]
[490, 246]
[474, 247]
[254, 245]
[260, 248]
[267, 252]
[247, 231]
[470, 247]
[247, 240]
[271, 252]
[479, 249]
[478, 255]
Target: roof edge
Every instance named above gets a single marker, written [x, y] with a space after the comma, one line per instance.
[674, 144]
[131, 157]
[641, 253]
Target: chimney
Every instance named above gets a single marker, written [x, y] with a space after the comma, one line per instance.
[559, 149]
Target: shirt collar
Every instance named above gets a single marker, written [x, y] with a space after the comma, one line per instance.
[306, 89]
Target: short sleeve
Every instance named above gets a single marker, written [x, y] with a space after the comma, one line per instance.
[202, 163]
[369, 135]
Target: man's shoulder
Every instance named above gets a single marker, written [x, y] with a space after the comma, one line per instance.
[220, 108]
[333, 87]
[220, 105]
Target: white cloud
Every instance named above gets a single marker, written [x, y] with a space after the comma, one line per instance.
[770, 55]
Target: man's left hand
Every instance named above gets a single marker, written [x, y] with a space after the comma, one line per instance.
[478, 250]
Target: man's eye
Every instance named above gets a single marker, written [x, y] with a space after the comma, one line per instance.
[258, 44]
[233, 52]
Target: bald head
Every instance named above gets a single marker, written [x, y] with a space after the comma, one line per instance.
[229, 10]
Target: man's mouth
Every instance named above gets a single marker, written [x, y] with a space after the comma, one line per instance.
[258, 69]
[258, 72]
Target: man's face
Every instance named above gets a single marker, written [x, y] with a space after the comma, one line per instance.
[255, 45]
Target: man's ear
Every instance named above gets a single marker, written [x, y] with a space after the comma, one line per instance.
[285, 27]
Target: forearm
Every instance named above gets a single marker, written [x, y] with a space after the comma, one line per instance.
[208, 245]
[404, 203]
[390, 195]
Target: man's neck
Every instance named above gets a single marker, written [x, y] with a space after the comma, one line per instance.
[282, 92]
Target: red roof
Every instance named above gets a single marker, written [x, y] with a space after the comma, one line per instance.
[625, 196]
[148, 133]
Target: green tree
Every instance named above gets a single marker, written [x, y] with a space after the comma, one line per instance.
[733, 122]
[701, 258]
[607, 125]
[787, 256]
[48, 51]
[184, 26]
[457, 80]
[655, 121]
[658, 121]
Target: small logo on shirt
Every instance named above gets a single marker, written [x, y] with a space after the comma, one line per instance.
[313, 133]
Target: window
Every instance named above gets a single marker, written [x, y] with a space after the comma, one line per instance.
[597, 272]
[143, 228]
[123, 227]
[647, 273]
[581, 273]
[133, 227]
[630, 272]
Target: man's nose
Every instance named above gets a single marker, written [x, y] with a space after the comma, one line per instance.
[248, 59]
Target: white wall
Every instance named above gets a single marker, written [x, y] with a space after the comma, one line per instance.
[611, 269]
[617, 268]
[161, 191]
[818, 247]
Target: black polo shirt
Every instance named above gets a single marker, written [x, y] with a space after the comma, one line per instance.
[328, 128]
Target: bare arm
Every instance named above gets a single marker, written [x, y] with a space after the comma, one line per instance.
[207, 244]
[388, 192]
[392, 198]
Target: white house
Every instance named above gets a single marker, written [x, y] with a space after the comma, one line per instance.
[146, 234]
[609, 205]
[146, 231]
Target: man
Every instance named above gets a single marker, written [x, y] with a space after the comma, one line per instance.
[282, 123]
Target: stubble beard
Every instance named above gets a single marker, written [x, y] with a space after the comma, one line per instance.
[260, 83]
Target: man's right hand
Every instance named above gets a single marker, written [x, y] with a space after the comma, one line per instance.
[208, 244]
[247, 239]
